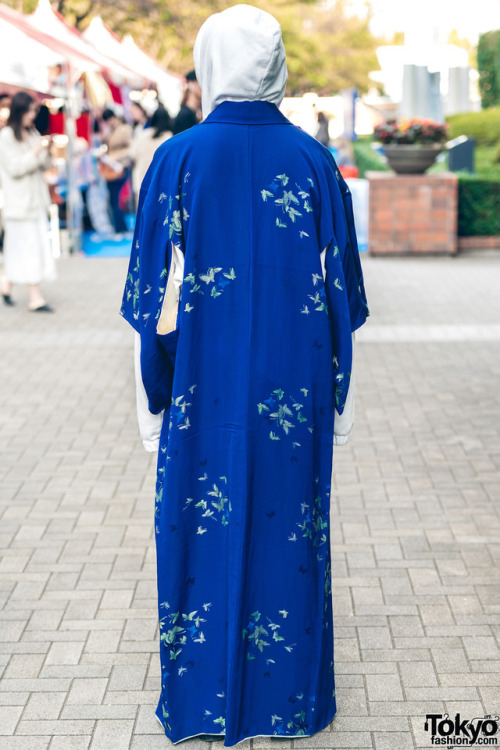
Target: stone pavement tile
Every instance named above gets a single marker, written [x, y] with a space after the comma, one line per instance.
[25, 743]
[436, 614]
[54, 727]
[450, 660]
[64, 653]
[103, 642]
[371, 724]
[132, 697]
[373, 638]
[9, 717]
[336, 739]
[384, 687]
[83, 608]
[471, 678]
[490, 697]
[467, 709]
[481, 647]
[151, 742]
[486, 665]
[71, 743]
[406, 708]
[352, 702]
[24, 666]
[406, 626]
[127, 678]
[44, 706]
[397, 655]
[93, 711]
[45, 620]
[83, 671]
[34, 686]
[139, 630]
[86, 691]
[13, 699]
[442, 693]
[147, 723]
[418, 674]
[393, 741]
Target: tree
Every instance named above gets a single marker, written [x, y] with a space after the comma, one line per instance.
[488, 65]
[327, 48]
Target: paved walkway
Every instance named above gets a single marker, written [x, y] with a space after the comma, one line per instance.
[416, 523]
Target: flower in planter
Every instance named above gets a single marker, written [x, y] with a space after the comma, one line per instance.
[414, 131]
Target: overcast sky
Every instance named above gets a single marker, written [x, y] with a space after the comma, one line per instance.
[469, 19]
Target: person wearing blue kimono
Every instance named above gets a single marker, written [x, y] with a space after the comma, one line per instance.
[244, 289]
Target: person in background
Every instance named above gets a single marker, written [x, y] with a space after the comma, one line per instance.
[145, 144]
[4, 109]
[4, 116]
[116, 164]
[322, 134]
[140, 119]
[24, 155]
[188, 114]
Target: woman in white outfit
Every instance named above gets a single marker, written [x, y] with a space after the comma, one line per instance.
[23, 158]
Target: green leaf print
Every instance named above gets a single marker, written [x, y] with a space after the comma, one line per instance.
[266, 194]
[283, 178]
[280, 224]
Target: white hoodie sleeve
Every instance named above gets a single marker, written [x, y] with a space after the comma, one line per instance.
[149, 424]
[344, 422]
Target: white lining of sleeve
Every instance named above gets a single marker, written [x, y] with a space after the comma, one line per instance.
[344, 422]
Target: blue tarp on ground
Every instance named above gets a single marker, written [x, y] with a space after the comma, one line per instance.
[106, 246]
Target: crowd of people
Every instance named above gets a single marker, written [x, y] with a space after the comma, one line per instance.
[111, 165]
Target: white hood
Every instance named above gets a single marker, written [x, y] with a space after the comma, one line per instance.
[239, 56]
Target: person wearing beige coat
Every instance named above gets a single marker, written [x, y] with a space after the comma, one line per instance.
[144, 146]
[23, 159]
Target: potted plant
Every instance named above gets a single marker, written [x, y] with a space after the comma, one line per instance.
[411, 146]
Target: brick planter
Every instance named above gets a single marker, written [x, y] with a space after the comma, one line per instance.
[412, 214]
[469, 244]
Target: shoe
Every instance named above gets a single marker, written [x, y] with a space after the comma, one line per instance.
[43, 308]
[7, 300]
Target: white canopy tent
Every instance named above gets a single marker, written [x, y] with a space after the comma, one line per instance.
[45, 19]
[169, 85]
[24, 62]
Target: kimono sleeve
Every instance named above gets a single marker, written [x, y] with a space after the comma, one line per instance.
[344, 286]
[143, 296]
[337, 229]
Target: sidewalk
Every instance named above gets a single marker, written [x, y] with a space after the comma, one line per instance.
[415, 517]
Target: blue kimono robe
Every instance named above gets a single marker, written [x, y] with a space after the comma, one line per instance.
[248, 380]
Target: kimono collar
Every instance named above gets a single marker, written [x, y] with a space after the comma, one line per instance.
[247, 113]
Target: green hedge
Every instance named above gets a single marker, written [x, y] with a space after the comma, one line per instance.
[478, 207]
[483, 126]
[367, 160]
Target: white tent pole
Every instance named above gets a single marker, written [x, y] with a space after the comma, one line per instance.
[73, 204]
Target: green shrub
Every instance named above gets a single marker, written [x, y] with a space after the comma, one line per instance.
[483, 126]
[367, 160]
[478, 207]
[488, 65]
